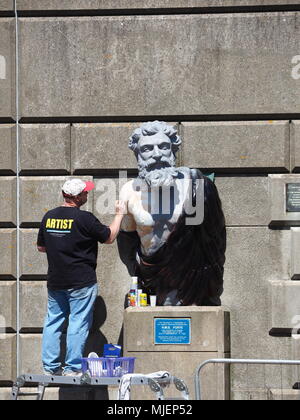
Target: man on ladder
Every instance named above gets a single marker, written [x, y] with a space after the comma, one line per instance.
[69, 237]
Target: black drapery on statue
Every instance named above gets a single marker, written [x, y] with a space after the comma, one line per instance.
[191, 262]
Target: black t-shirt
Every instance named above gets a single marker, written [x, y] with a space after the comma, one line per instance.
[71, 238]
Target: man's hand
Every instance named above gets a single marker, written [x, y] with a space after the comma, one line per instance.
[116, 224]
[41, 249]
[120, 207]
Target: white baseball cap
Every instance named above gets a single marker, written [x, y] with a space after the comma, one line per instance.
[74, 187]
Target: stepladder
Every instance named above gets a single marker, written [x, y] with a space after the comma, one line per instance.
[39, 383]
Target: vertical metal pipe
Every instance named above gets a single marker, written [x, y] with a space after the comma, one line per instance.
[18, 180]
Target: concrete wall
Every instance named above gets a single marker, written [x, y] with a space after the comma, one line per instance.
[138, 4]
[184, 66]
[230, 81]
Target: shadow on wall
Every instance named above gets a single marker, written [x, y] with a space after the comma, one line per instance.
[121, 336]
[95, 343]
[96, 340]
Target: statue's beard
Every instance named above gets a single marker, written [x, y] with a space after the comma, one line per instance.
[158, 175]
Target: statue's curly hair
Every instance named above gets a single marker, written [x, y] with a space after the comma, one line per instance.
[151, 128]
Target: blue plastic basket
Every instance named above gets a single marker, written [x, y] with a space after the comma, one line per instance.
[108, 367]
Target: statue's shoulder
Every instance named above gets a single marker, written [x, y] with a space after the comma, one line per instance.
[127, 190]
[189, 173]
[128, 185]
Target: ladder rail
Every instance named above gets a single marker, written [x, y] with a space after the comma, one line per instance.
[156, 385]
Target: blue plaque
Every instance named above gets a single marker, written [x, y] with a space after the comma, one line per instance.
[172, 331]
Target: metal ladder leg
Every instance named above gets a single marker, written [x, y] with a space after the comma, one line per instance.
[15, 393]
[155, 387]
[41, 392]
[20, 382]
[181, 386]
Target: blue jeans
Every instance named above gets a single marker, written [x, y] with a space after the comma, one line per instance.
[77, 305]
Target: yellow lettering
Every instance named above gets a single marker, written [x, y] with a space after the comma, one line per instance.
[59, 224]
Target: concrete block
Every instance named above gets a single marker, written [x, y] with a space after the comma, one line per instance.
[255, 381]
[223, 63]
[6, 5]
[209, 329]
[138, 4]
[8, 311]
[41, 194]
[285, 304]
[45, 147]
[245, 200]
[250, 395]
[8, 363]
[284, 394]
[31, 353]
[254, 256]
[7, 68]
[33, 264]
[248, 145]
[295, 249]
[33, 304]
[8, 195]
[295, 146]
[8, 158]
[8, 253]
[278, 200]
[210, 338]
[94, 146]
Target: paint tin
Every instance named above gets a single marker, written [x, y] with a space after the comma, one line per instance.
[143, 299]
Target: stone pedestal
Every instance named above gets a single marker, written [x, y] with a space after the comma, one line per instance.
[209, 338]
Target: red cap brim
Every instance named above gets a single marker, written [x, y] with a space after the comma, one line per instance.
[89, 186]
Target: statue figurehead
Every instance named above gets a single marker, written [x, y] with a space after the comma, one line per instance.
[182, 264]
[155, 145]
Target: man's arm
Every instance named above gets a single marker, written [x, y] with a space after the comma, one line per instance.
[41, 240]
[116, 224]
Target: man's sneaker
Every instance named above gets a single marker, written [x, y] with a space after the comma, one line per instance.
[57, 372]
[71, 373]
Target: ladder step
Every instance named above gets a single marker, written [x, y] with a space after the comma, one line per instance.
[27, 394]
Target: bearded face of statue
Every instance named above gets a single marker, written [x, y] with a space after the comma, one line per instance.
[156, 160]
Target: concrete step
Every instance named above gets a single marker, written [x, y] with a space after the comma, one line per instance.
[285, 304]
[284, 394]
